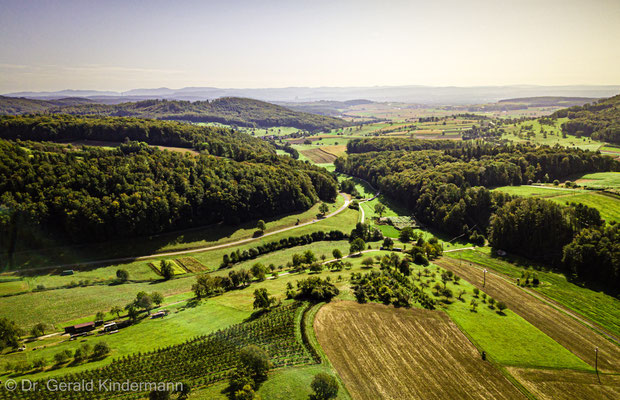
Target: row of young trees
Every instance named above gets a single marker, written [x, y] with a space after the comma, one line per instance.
[228, 260]
[48, 191]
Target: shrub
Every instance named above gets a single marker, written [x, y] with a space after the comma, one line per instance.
[100, 350]
[325, 387]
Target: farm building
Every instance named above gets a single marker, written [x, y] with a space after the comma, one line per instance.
[80, 328]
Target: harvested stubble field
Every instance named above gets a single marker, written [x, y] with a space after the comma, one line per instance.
[563, 328]
[552, 384]
[319, 156]
[381, 352]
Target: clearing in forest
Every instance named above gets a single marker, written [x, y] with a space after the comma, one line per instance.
[381, 352]
[319, 156]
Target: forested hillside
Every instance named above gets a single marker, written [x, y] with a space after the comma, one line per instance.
[227, 110]
[217, 141]
[600, 120]
[91, 194]
[20, 105]
[447, 189]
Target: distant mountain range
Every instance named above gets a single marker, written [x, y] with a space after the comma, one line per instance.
[448, 95]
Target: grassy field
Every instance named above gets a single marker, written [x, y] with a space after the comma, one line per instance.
[594, 305]
[181, 324]
[56, 307]
[608, 205]
[173, 241]
[186, 319]
[383, 352]
[519, 133]
[561, 327]
[600, 180]
[508, 338]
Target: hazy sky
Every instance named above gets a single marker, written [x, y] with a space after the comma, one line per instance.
[120, 45]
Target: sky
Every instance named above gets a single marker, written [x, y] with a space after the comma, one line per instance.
[122, 45]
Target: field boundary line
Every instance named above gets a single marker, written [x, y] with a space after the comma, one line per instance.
[550, 302]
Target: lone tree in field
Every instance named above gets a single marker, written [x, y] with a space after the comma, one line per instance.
[323, 209]
[116, 310]
[357, 246]
[388, 243]
[37, 330]
[165, 267]
[368, 262]
[337, 254]
[144, 301]
[100, 316]
[379, 209]
[262, 300]
[324, 386]
[260, 225]
[157, 298]
[259, 271]
[101, 350]
[501, 306]
[473, 304]
[122, 275]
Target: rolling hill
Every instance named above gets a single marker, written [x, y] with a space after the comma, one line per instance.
[599, 120]
[229, 110]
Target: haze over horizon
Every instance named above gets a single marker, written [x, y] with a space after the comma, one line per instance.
[118, 46]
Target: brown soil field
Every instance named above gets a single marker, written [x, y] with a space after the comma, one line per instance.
[319, 156]
[563, 328]
[381, 352]
[549, 384]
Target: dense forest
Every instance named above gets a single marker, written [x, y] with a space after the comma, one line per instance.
[64, 128]
[91, 194]
[600, 120]
[227, 110]
[448, 189]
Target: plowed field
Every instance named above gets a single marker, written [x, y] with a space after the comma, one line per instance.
[382, 352]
